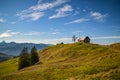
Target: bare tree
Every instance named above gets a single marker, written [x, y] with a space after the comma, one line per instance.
[74, 38]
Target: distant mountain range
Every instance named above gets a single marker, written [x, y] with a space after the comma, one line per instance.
[14, 48]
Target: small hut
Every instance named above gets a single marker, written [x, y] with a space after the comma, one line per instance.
[85, 39]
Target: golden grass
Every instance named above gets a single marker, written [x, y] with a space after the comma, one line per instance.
[77, 61]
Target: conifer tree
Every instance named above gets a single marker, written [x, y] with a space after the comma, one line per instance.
[34, 58]
[24, 59]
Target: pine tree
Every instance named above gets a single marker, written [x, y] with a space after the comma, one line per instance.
[24, 59]
[34, 58]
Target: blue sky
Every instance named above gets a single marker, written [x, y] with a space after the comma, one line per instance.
[54, 21]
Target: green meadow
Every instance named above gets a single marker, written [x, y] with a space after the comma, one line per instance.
[77, 61]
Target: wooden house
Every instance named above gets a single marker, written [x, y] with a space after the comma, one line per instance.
[85, 39]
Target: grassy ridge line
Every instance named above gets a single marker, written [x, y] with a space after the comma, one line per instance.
[70, 61]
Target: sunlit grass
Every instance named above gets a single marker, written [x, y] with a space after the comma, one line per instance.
[77, 61]
[8, 66]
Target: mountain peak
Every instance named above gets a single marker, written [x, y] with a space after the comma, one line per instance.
[13, 42]
[3, 42]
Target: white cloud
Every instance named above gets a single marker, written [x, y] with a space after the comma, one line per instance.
[2, 20]
[77, 32]
[44, 6]
[46, 41]
[8, 33]
[36, 15]
[35, 12]
[56, 32]
[62, 12]
[13, 22]
[30, 16]
[107, 37]
[32, 33]
[78, 21]
[57, 40]
[76, 13]
[98, 16]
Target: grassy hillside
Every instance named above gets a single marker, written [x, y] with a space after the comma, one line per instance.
[69, 62]
[8, 66]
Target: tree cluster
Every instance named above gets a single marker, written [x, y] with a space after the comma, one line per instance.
[26, 59]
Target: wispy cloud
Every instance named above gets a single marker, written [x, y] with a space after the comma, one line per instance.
[107, 37]
[32, 33]
[62, 12]
[8, 33]
[77, 32]
[57, 40]
[32, 16]
[78, 21]
[56, 32]
[13, 22]
[2, 20]
[95, 15]
[98, 16]
[48, 5]
[46, 41]
[76, 13]
[35, 12]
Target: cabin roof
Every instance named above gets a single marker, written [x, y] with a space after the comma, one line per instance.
[83, 38]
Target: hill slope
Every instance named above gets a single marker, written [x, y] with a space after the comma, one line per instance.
[68, 62]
